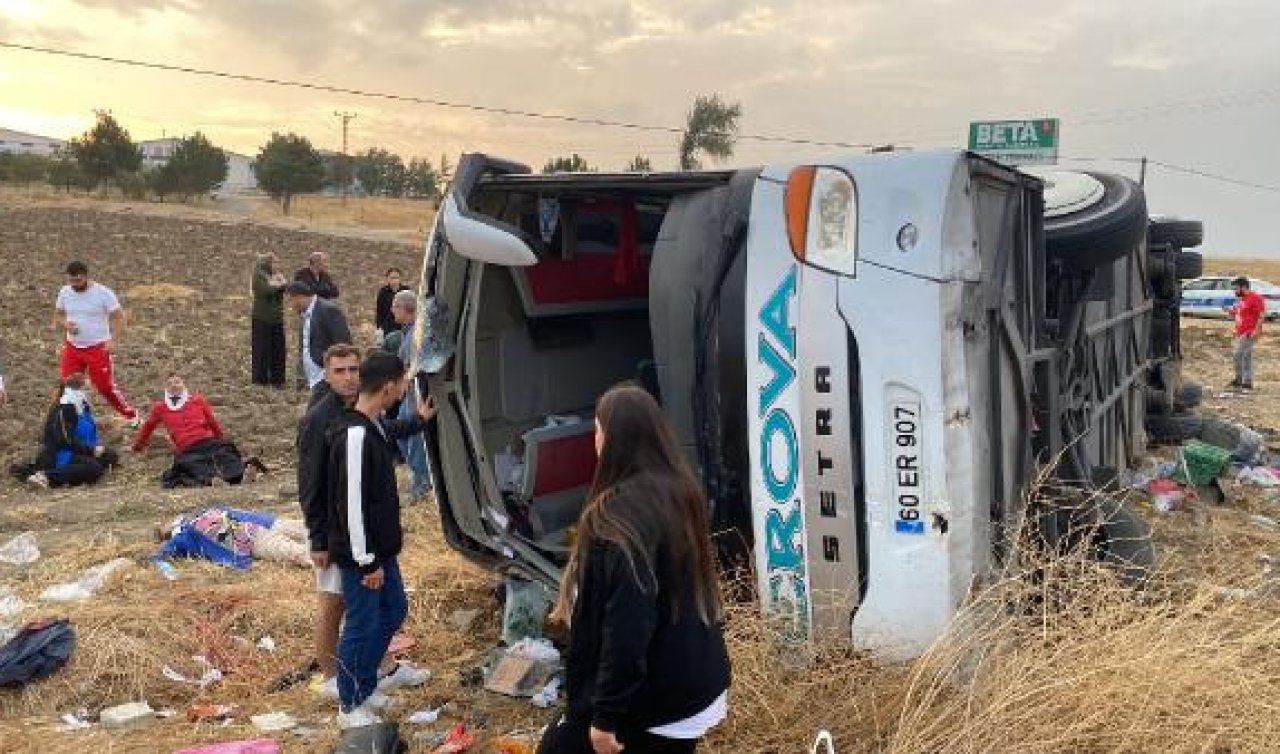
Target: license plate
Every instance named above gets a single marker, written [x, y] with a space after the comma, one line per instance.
[907, 453]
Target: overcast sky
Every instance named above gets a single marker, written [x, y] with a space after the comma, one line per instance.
[1195, 83]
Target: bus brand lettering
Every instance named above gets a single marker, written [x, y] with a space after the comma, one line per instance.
[780, 458]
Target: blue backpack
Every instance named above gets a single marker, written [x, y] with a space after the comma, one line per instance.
[37, 651]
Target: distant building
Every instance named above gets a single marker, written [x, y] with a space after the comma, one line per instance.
[240, 177]
[17, 142]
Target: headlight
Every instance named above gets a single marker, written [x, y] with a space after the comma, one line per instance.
[822, 218]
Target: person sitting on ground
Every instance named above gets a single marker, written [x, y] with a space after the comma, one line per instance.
[232, 537]
[71, 452]
[202, 454]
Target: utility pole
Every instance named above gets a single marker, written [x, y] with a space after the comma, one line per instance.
[1142, 173]
[344, 163]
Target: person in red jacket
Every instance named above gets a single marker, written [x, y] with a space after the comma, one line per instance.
[1249, 311]
[202, 453]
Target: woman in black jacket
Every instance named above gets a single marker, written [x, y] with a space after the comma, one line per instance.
[646, 667]
[71, 452]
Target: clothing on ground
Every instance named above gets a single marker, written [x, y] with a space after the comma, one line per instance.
[229, 536]
[97, 363]
[90, 310]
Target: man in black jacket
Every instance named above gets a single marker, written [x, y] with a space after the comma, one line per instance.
[365, 536]
[322, 325]
[342, 375]
[316, 276]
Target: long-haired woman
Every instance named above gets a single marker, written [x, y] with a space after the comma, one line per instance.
[646, 667]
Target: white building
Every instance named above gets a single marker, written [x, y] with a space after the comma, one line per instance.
[17, 142]
[240, 177]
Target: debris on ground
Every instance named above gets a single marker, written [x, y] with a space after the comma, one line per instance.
[257, 746]
[1265, 522]
[426, 716]
[1201, 463]
[167, 570]
[547, 695]
[273, 722]
[211, 713]
[525, 609]
[462, 620]
[37, 651]
[88, 584]
[1167, 495]
[379, 738]
[266, 644]
[73, 721]
[131, 715]
[210, 675]
[458, 739]
[524, 668]
[514, 744]
[22, 550]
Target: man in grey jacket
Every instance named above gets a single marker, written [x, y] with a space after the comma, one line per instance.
[323, 324]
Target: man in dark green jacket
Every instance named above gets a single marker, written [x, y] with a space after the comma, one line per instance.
[268, 348]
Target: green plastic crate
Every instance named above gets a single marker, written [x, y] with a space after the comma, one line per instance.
[1202, 462]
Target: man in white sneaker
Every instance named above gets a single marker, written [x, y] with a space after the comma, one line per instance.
[365, 536]
[93, 320]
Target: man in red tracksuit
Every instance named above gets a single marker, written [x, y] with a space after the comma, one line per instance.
[1249, 311]
[93, 320]
[201, 451]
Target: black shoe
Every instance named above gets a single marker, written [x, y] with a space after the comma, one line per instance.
[1233, 384]
[1246, 386]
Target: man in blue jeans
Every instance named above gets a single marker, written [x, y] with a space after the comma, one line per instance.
[404, 309]
[365, 536]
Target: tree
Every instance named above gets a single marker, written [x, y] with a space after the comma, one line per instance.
[381, 173]
[24, 168]
[65, 172]
[106, 152]
[639, 164]
[571, 164]
[711, 128]
[421, 180]
[288, 165]
[161, 182]
[195, 167]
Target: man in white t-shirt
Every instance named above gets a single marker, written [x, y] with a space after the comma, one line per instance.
[93, 320]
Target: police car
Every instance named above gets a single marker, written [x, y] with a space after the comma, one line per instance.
[1206, 296]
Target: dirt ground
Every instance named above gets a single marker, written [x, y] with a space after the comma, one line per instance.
[183, 274]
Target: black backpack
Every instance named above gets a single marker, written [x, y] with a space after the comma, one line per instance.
[37, 651]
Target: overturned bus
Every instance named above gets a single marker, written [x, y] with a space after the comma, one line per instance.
[867, 359]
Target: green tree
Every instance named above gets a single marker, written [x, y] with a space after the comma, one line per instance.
[571, 164]
[161, 182]
[711, 128]
[639, 164]
[24, 168]
[195, 167]
[421, 181]
[288, 165]
[381, 173]
[106, 152]
[65, 173]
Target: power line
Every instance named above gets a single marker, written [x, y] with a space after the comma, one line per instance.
[471, 107]
[1216, 177]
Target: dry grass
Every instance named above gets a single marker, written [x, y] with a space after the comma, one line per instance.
[379, 213]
